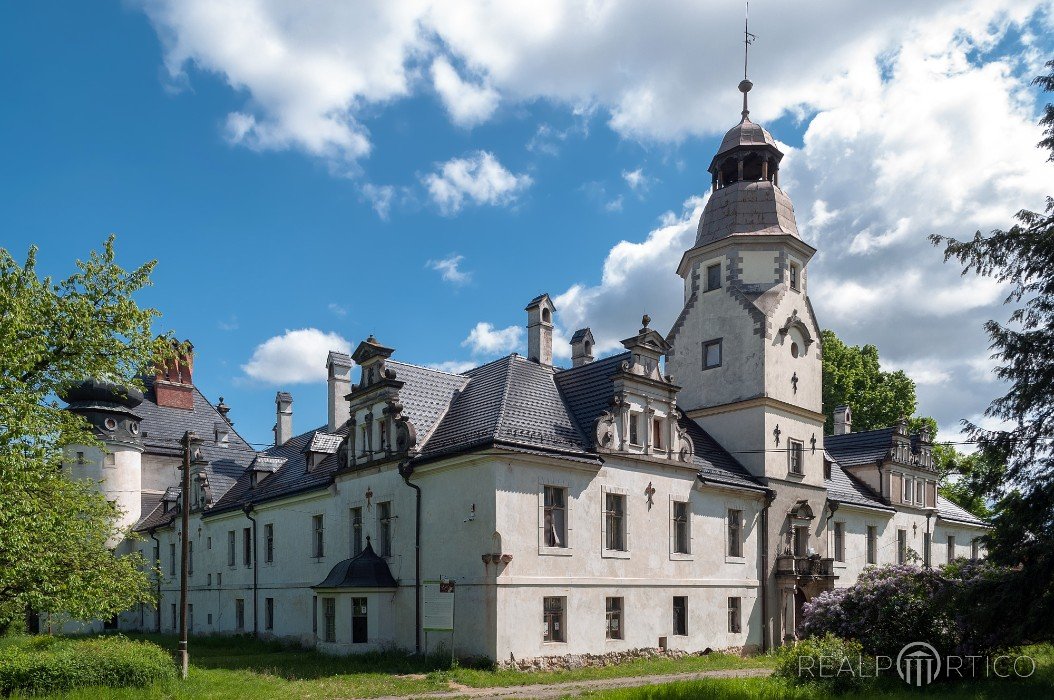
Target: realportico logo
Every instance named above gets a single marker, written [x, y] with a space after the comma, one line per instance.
[919, 664]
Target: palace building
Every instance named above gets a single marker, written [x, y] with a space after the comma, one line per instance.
[678, 494]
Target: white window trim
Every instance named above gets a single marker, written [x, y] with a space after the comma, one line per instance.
[878, 543]
[604, 551]
[681, 556]
[845, 545]
[544, 550]
[790, 453]
[729, 559]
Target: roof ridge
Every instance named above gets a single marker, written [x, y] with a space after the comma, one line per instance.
[430, 369]
[503, 358]
[506, 388]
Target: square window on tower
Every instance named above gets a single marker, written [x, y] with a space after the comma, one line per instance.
[712, 354]
[713, 276]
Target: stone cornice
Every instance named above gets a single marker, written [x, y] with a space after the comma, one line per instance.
[757, 401]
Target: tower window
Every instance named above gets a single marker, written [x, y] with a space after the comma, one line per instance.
[712, 354]
[713, 276]
[794, 274]
[794, 349]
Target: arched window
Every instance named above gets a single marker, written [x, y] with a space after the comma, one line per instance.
[547, 315]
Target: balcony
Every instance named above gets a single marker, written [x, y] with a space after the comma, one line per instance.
[804, 567]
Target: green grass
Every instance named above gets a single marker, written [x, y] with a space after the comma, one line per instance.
[225, 668]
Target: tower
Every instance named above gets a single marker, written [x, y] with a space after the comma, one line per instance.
[117, 466]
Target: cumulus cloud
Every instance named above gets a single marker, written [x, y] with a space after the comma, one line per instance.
[478, 178]
[485, 339]
[295, 357]
[466, 103]
[636, 179]
[450, 270]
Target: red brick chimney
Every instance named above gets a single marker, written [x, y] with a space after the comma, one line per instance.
[174, 383]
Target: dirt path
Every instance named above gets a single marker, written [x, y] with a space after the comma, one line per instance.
[574, 688]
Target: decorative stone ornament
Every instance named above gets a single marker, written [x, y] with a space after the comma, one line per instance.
[650, 493]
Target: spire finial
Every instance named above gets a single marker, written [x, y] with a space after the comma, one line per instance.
[748, 39]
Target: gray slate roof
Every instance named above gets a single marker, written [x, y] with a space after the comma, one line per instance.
[852, 449]
[845, 488]
[364, 570]
[746, 133]
[746, 208]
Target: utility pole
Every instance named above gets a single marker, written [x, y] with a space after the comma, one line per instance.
[189, 442]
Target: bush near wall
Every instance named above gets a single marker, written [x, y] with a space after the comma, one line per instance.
[50, 664]
[826, 663]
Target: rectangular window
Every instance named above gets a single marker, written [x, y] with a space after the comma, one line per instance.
[359, 627]
[208, 543]
[902, 546]
[613, 616]
[356, 531]
[680, 615]
[384, 521]
[926, 549]
[172, 559]
[909, 489]
[329, 610]
[951, 548]
[314, 615]
[735, 537]
[555, 516]
[208, 619]
[230, 548]
[975, 549]
[680, 527]
[219, 578]
[157, 556]
[920, 492]
[796, 456]
[801, 541]
[268, 543]
[269, 613]
[839, 542]
[190, 558]
[553, 619]
[247, 546]
[656, 433]
[872, 544]
[208, 579]
[175, 620]
[239, 613]
[735, 624]
[713, 276]
[634, 428]
[711, 354]
[318, 540]
[794, 274]
[615, 522]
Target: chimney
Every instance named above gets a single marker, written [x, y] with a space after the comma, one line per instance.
[581, 347]
[843, 421]
[540, 330]
[283, 424]
[338, 367]
[174, 380]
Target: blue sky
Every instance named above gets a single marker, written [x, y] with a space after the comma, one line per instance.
[552, 152]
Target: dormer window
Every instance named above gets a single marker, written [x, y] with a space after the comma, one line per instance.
[656, 435]
[634, 428]
[794, 275]
[909, 488]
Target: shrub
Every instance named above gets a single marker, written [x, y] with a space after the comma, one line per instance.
[50, 664]
[838, 665]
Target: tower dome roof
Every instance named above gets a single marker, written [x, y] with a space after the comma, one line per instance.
[746, 133]
[746, 208]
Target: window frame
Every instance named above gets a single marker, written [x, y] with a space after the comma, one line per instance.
[247, 547]
[364, 616]
[269, 543]
[902, 546]
[268, 613]
[171, 558]
[610, 517]
[634, 428]
[329, 617]
[355, 516]
[318, 536]
[716, 342]
[658, 423]
[232, 557]
[795, 454]
[734, 534]
[839, 541]
[239, 614]
[384, 528]
[680, 528]
[554, 633]
[735, 615]
[871, 545]
[614, 612]
[549, 509]
[795, 276]
[927, 549]
[680, 630]
[950, 543]
[708, 268]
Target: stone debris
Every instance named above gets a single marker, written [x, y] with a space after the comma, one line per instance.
[569, 662]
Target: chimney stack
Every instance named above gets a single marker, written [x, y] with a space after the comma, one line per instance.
[174, 380]
[843, 421]
[581, 347]
[283, 424]
[338, 367]
[540, 330]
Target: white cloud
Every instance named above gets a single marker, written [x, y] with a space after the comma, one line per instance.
[295, 357]
[453, 366]
[467, 104]
[337, 309]
[636, 179]
[380, 198]
[450, 270]
[479, 178]
[485, 339]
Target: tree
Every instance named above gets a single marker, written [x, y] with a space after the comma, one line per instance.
[1022, 257]
[853, 377]
[54, 531]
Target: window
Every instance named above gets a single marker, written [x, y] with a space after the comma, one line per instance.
[634, 428]
[318, 541]
[680, 527]
[359, 625]
[801, 541]
[356, 531]
[909, 489]
[794, 274]
[247, 546]
[872, 544]
[975, 549]
[794, 349]
[314, 615]
[713, 276]
[157, 556]
[951, 548]
[656, 433]
[796, 456]
[555, 516]
[826, 469]
[239, 614]
[172, 559]
[208, 619]
[190, 558]
[208, 579]
[384, 435]
[926, 549]
[735, 537]
[711, 354]
[208, 543]
[269, 613]
[615, 522]
[902, 546]
[920, 492]
[384, 522]
[329, 609]
[80, 458]
[230, 548]
[268, 543]
[613, 618]
[190, 617]
[553, 619]
[175, 622]
[839, 542]
[735, 625]
[219, 578]
[680, 615]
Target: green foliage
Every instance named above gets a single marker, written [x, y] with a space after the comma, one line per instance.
[1022, 258]
[839, 665]
[50, 664]
[54, 531]
[853, 377]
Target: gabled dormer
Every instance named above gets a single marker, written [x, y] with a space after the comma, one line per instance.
[262, 467]
[321, 446]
